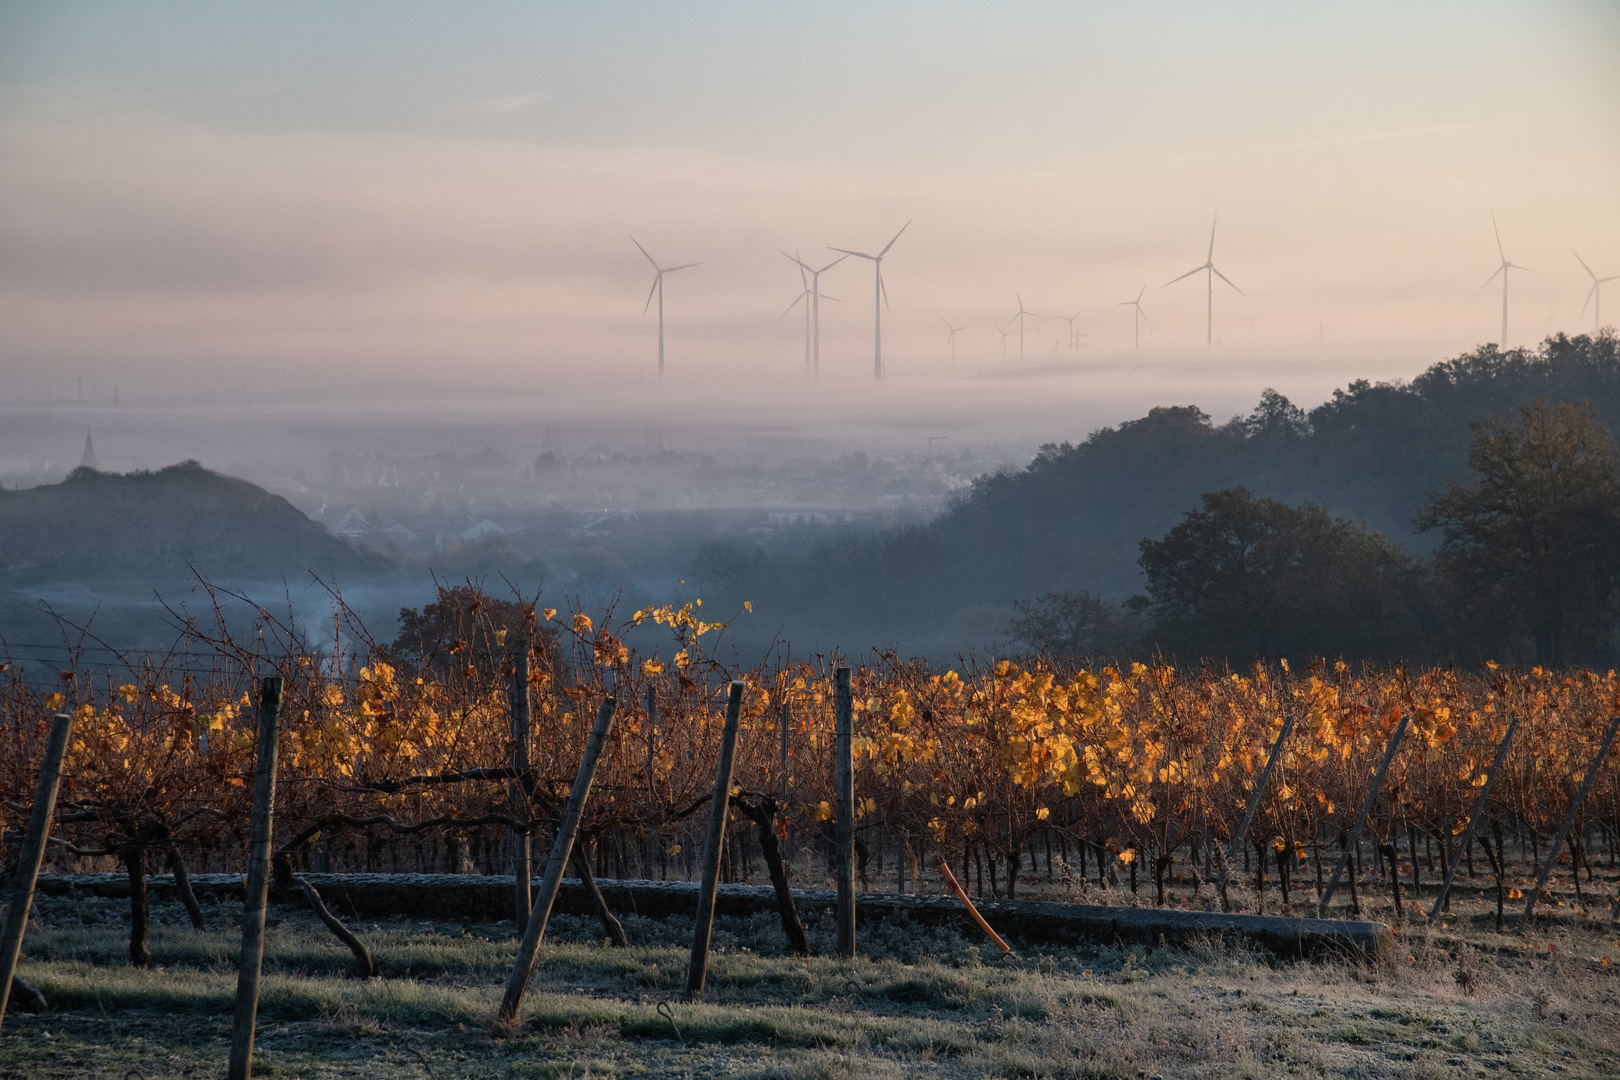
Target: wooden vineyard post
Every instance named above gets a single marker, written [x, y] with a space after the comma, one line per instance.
[1569, 818]
[782, 757]
[1473, 819]
[844, 833]
[697, 971]
[1254, 802]
[258, 884]
[556, 863]
[33, 853]
[651, 699]
[522, 735]
[1361, 817]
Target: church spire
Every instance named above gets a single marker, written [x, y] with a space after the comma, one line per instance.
[89, 461]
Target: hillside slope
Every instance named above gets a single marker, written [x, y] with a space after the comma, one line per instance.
[144, 528]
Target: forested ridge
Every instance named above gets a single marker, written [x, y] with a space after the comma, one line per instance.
[1076, 517]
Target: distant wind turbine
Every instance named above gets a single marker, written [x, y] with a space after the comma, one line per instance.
[1503, 270]
[1137, 315]
[954, 330]
[1074, 340]
[813, 309]
[1211, 274]
[1594, 295]
[658, 287]
[1021, 313]
[880, 297]
[1005, 334]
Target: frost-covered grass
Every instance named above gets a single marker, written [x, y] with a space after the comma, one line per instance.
[918, 1002]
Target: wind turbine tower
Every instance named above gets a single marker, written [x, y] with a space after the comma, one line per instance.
[954, 330]
[1594, 295]
[1208, 269]
[658, 287]
[880, 297]
[1503, 270]
[1005, 334]
[1021, 313]
[1137, 315]
[1074, 339]
[813, 309]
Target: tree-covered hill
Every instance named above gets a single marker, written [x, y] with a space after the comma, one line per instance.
[1075, 518]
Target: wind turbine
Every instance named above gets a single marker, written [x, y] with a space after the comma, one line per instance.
[1020, 317]
[1137, 315]
[1005, 334]
[1212, 274]
[880, 297]
[658, 287]
[1503, 270]
[1594, 295]
[954, 331]
[1074, 342]
[813, 310]
[804, 295]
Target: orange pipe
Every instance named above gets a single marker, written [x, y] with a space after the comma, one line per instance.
[950, 879]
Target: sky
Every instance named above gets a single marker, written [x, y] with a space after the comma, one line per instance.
[199, 197]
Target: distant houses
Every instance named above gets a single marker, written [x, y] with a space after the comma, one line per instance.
[356, 527]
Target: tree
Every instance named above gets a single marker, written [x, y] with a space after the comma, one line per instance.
[466, 626]
[1536, 538]
[1071, 626]
[1244, 578]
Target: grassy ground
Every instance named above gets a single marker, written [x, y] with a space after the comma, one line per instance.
[919, 1002]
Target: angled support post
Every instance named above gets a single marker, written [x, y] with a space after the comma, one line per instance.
[1361, 816]
[1473, 819]
[1254, 802]
[1569, 817]
[33, 853]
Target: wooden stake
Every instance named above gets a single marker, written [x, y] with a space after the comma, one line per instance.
[33, 853]
[651, 699]
[1473, 818]
[1254, 802]
[1569, 818]
[844, 830]
[258, 884]
[556, 863]
[1361, 816]
[522, 844]
[697, 971]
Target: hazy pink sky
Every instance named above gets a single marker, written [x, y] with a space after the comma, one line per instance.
[210, 192]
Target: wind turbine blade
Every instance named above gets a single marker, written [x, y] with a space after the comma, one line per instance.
[643, 250]
[1139, 294]
[802, 296]
[1601, 280]
[1582, 261]
[1188, 274]
[882, 288]
[832, 264]
[1228, 280]
[834, 299]
[1211, 256]
[857, 254]
[890, 244]
[656, 278]
[683, 266]
[1588, 301]
[1487, 282]
[795, 259]
[1498, 233]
